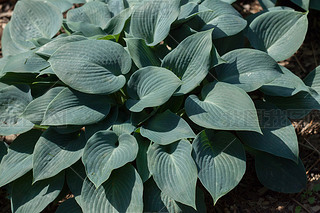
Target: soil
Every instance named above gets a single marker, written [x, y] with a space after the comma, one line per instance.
[250, 195]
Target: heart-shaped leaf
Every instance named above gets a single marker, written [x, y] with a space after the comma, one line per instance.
[92, 66]
[70, 107]
[191, 60]
[150, 87]
[27, 197]
[223, 106]
[279, 137]
[166, 128]
[55, 152]
[122, 192]
[288, 84]
[174, 171]
[18, 161]
[36, 109]
[13, 101]
[104, 152]
[280, 174]
[248, 69]
[151, 20]
[34, 19]
[221, 161]
[117, 23]
[279, 33]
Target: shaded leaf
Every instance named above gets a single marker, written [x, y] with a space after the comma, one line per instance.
[27, 197]
[279, 137]
[280, 174]
[18, 161]
[69, 205]
[141, 160]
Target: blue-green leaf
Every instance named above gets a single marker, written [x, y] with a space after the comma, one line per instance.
[3, 151]
[151, 20]
[26, 62]
[166, 128]
[221, 161]
[267, 3]
[279, 33]
[122, 192]
[191, 60]
[248, 69]
[279, 137]
[13, 101]
[304, 4]
[313, 79]
[75, 176]
[288, 84]
[70, 107]
[141, 54]
[92, 66]
[36, 109]
[34, 19]
[49, 48]
[55, 152]
[150, 87]
[27, 197]
[89, 19]
[221, 16]
[157, 201]
[18, 161]
[104, 152]
[141, 160]
[8, 46]
[223, 106]
[105, 124]
[299, 105]
[174, 171]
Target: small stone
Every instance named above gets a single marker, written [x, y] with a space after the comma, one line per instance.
[315, 208]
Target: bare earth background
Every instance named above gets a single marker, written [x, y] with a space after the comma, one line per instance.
[250, 195]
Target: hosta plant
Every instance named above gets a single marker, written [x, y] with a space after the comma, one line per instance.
[143, 105]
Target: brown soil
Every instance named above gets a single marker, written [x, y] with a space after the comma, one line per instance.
[250, 195]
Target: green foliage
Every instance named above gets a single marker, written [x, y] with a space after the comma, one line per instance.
[128, 103]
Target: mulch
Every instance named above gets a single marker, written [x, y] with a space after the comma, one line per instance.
[250, 195]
